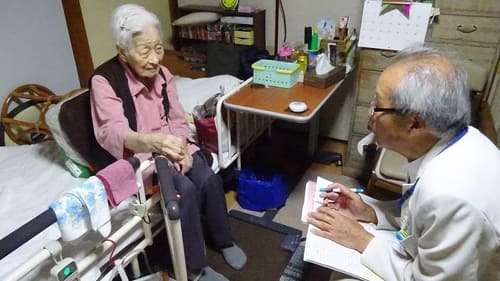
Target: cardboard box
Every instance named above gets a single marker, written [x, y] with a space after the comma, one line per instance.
[243, 36]
[342, 45]
[324, 80]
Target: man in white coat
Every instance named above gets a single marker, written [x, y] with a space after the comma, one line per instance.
[447, 223]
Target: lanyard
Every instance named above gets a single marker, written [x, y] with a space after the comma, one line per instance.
[410, 191]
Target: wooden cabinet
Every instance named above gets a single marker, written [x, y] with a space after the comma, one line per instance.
[471, 30]
[466, 30]
[257, 19]
[194, 48]
[371, 64]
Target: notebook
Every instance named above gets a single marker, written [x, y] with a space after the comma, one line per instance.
[327, 253]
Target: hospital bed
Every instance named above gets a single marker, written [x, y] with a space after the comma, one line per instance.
[36, 174]
[29, 188]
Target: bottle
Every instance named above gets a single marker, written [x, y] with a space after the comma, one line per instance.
[302, 61]
[314, 41]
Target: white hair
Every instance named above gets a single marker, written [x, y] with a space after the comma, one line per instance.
[439, 95]
[129, 20]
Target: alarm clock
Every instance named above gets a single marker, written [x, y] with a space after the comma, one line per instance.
[229, 4]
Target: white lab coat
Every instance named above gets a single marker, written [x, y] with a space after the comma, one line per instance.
[452, 218]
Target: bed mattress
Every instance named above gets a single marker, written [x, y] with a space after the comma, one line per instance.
[32, 177]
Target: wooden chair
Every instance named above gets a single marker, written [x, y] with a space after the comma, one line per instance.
[23, 114]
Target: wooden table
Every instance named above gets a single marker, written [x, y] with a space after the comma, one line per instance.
[273, 102]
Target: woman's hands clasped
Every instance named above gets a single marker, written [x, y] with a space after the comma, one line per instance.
[337, 219]
[175, 148]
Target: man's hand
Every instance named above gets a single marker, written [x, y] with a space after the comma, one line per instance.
[333, 225]
[348, 203]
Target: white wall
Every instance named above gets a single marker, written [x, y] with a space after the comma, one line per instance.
[35, 47]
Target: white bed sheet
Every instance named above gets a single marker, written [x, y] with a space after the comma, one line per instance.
[31, 178]
[193, 92]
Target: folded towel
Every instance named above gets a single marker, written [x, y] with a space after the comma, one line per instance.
[82, 209]
[119, 181]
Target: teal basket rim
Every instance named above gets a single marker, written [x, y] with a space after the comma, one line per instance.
[266, 73]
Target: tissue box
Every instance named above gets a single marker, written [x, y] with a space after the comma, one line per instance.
[324, 80]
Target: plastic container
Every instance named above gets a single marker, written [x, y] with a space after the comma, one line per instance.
[275, 73]
[260, 190]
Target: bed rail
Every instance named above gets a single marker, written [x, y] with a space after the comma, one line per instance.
[27, 231]
[142, 211]
[36, 225]
[245, 127]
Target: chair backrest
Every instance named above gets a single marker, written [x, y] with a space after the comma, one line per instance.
[76, 121]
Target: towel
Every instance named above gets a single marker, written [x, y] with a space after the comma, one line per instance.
[119, 181]
[82, 209]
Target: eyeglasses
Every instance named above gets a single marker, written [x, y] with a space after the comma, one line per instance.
[374, 108]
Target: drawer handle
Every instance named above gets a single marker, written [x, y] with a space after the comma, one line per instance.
[388, 54]
[466, 29]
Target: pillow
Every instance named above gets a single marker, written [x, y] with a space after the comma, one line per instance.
[73, 160]
[196, 18]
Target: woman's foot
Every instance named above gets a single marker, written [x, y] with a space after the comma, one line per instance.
[235, 257]
[206, 274]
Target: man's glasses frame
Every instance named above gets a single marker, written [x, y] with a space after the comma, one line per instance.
[374, 108]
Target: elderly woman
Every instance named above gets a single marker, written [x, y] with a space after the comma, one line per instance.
[136, 111]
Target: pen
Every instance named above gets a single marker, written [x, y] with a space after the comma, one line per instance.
[357, 190]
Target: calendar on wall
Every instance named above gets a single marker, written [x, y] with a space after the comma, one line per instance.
[393, 30]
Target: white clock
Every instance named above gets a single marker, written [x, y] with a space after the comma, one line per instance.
[229, 4]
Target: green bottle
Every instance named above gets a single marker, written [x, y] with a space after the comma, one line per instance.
[314, 41]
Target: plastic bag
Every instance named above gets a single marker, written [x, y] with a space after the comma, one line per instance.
[204, 121]
[261, 190]
[206, 133]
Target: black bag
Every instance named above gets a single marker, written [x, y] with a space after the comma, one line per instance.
[248, 58]
[224, 59]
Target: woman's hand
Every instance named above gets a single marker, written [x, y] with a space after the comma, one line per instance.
[348, 203]
[173, 147]
[333, 225]
[186, 163]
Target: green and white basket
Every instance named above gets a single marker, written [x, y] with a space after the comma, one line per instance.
[275, 73]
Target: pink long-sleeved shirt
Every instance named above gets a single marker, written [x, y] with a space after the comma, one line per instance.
[111, 126]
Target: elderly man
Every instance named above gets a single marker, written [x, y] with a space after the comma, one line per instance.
[447, 223]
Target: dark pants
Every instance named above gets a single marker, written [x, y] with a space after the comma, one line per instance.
[202, 201]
